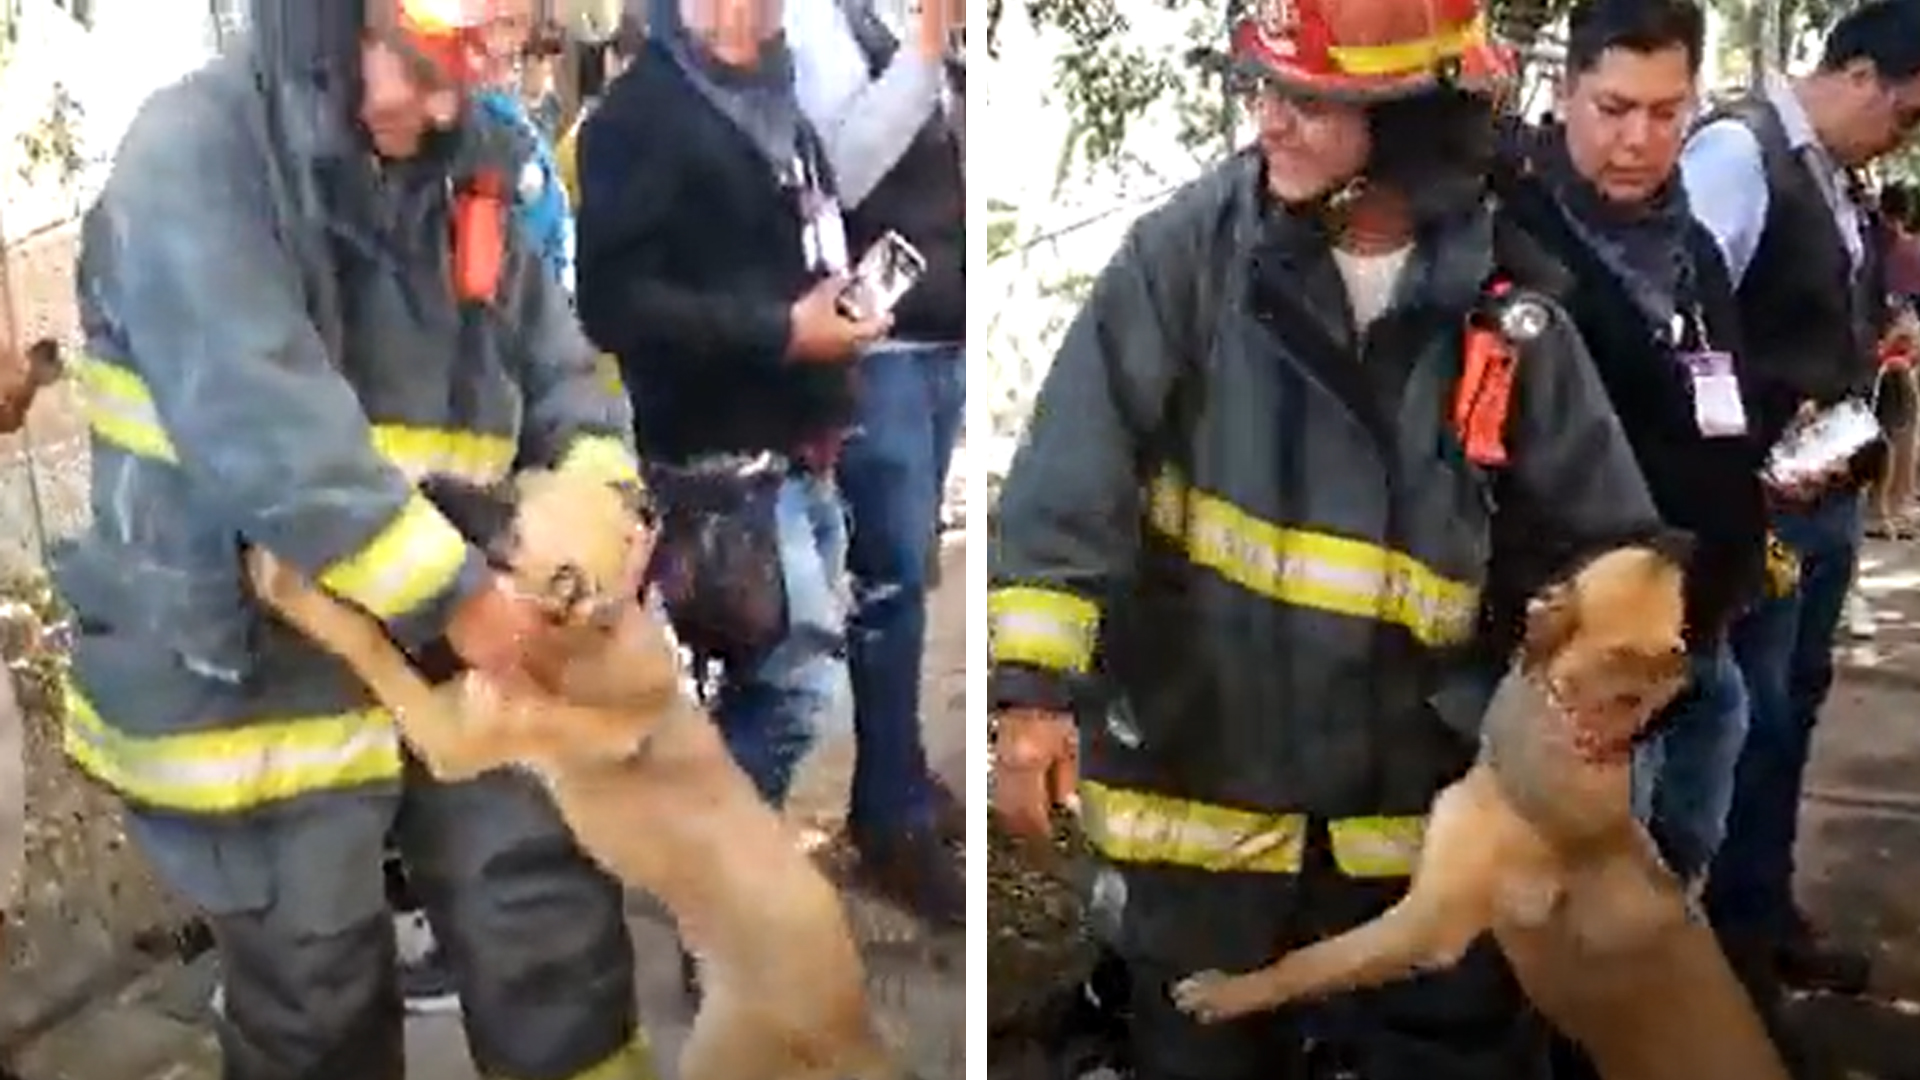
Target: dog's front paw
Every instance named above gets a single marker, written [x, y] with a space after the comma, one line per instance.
[275, 583]
[1212, 997]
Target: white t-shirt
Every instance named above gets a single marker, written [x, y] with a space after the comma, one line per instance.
[1370, 281]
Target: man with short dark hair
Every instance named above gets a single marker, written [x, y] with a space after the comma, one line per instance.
[1651, 296]
[1769, 177]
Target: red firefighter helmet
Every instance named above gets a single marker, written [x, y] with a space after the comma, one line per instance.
[1370, 50]
[447, 34]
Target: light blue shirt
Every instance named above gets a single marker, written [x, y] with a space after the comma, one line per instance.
[1726, 181]
[866, 123]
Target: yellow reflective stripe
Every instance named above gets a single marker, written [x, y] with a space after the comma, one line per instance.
[601, 456]
[439, 17]
[235, 769]
[1408, 57]
[1312, 569]
[1041, 627]
[120, 411]
[1143, 827]
[415, 557]
[608, 367]
[633, 1061]
[1377, 847]
[466, 455]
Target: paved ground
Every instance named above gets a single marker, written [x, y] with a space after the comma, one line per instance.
[918, 979]
[1860, 827]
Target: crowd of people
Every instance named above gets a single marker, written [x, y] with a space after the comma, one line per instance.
[1254, 570]
[372, 244]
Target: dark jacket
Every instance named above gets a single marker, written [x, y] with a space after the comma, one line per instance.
[258, 371]
[1709, 487]
[690, 257]
[924, 199]
[1250, 551]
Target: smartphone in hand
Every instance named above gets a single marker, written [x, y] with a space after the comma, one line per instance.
[886, 272]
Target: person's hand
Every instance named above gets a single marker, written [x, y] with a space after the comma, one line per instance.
[1036, 764]
[1807, 488]
[496, 629]
[1901, 342]
[820, 334]
[935, 24]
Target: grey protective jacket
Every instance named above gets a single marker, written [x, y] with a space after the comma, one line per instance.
[1249, 550]
[257, 375]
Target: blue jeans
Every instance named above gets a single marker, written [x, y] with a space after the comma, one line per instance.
[1785, 650]
[1683, 778]
[771, 709]
[893, 471]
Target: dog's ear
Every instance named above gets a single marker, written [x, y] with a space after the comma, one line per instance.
[1552, 618]
[483, 513]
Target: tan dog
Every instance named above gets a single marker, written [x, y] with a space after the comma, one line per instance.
[644, 781]
[1537, 844]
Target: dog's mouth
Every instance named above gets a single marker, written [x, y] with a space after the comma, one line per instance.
[1604, 730]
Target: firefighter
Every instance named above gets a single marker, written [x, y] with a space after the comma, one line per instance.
[301, 295]
[1238, 560]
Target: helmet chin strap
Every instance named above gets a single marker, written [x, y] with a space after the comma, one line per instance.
[1331, 205]
[1335, 207]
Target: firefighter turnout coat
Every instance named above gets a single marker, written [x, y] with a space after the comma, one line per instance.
[1246, 545]
[240, 392]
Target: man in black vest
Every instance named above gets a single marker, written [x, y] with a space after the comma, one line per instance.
[1650, 295]
[879, 106]
[1769, 177]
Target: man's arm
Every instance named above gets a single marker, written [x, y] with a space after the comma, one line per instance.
[1573, 468]
[251, 405]
[865, 123]
[1067, 528]
[573, 419]
[630, 187]
[1726, 183]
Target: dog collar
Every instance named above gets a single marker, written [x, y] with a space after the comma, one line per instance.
[1590, 747]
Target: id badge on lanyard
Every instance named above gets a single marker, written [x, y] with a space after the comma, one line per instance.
[823, 234]
[1718, 410]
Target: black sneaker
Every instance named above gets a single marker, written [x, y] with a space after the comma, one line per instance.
[915, 870]
[426, 982]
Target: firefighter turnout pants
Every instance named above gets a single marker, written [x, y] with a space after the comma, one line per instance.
[534, 932]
